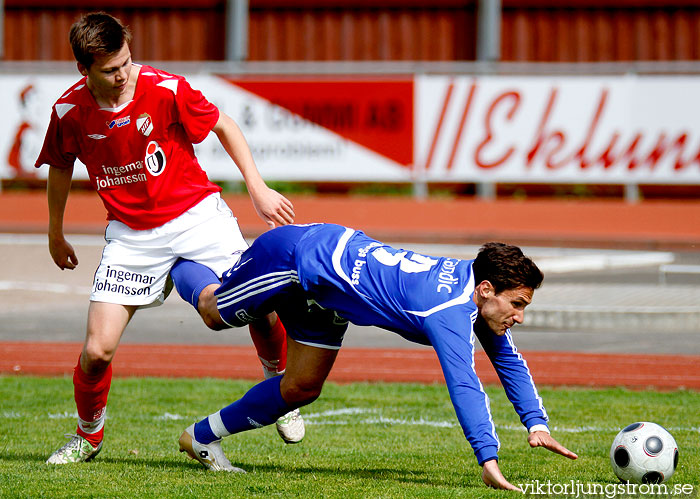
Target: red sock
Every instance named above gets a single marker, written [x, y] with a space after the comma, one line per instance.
[91, 400]
[271, 346]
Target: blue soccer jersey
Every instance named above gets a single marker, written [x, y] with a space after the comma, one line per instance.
[425, 299]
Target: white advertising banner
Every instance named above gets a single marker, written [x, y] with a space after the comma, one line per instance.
[519, 129]
[314, 129]
[363, 135]
[623, 130]
[26, 111]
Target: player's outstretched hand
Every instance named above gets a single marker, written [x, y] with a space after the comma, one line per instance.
[273, 208]
[492, 476]
[544, 439]
[62, 253]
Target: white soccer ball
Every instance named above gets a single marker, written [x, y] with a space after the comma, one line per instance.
[644, 453]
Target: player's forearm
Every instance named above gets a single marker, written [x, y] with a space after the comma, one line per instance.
[515, 377]
[57, 190]
[234, 143]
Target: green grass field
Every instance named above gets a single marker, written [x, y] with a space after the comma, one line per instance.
[363, 440]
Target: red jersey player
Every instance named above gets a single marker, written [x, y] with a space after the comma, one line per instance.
[134, 127]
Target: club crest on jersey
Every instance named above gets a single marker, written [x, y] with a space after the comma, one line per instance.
[155, 158]
[144, 124]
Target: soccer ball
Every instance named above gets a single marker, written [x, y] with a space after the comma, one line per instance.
[644, 453]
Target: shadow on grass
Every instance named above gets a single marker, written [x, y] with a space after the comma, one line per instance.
[36, 458]
[366, 473]
[172, 464]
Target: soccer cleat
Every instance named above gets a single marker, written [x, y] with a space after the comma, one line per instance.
[210, 455]
[291, 427]
[77, 450]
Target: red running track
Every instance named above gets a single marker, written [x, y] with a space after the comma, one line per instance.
[549, 222]
[359, 364]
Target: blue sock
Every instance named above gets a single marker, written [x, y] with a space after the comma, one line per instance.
[260, 406]
[190, 278]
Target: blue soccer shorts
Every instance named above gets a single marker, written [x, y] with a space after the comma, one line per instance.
[265, 279]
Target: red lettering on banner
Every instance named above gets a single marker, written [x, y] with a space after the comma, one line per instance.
[680, 143]
[548, 145]
[543, 139]
[696, 159]
[662, 148]
[438, 129]
[460, 128]
[631, 150]
[581, 153]
[606, 158]
[489, 135]
[657, 152]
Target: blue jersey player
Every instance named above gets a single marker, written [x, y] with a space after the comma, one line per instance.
[319, 277]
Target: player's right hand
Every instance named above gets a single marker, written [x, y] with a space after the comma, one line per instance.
[273, 207]
[62, 253]
[544, 439]
[492, 477]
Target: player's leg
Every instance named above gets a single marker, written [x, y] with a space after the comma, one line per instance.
[262, 405]
[132, 273]
[307, 369]
[315, 336]
[197, 283]
[193, 282]
[92, 378]
[270, 339]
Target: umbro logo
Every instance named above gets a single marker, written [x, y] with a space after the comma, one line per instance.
[97, 136]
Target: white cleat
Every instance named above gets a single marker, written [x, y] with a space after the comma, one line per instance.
[77, 450]
[291, 427]
[210, 455]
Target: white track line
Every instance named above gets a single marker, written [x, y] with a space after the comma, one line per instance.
[44, 287]
[326, 418]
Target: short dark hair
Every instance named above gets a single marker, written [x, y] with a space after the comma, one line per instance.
[97, 34]
[505, 266]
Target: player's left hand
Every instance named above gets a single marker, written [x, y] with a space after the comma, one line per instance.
[492, 477]
[544, 439]
[273, 208]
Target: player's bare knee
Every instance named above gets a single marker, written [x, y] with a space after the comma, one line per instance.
[299, 393]
[213, 322]
[207, 300]
[95, 359]
[208, 310]
[265, 323]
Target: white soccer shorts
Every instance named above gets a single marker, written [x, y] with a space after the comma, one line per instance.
[135, 264]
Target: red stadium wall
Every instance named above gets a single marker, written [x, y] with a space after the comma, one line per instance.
[174, 30]
[357, 30]
[596, 30]
[363, 30]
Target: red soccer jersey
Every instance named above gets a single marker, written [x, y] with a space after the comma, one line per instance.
[139, 156]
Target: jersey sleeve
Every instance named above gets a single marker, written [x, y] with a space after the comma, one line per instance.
[455, 350]
[196, 114]
[515, 376]
[60, 147]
